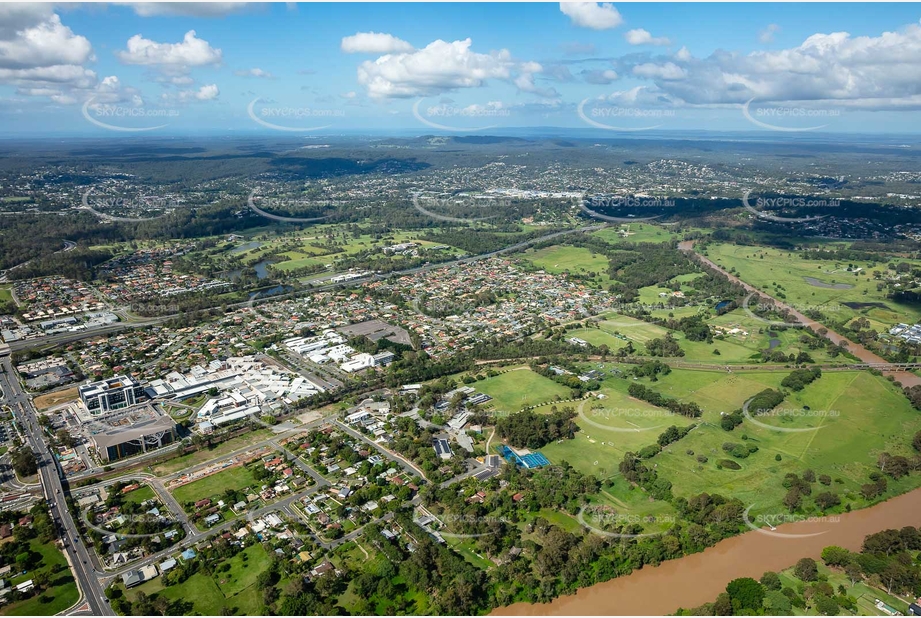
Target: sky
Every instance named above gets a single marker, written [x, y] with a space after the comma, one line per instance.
[333, 68]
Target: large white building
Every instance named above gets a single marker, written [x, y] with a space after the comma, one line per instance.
[111, 394]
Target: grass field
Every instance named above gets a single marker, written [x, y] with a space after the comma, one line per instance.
[199, 457]
[636, 232]
[574, 260]
[59, 597]
[517, 388]
[844, 436]
[215, 485]
[229, 587]
[6, 296]
[789, 271]
[609, 428]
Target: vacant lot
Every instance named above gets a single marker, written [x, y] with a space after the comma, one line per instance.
[49, 400]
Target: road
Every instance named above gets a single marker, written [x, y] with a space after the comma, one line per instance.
[906, 378]
[50, 473]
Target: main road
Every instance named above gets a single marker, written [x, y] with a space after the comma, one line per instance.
[50, 473]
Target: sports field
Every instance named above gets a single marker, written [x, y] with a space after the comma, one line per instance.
[517, 388]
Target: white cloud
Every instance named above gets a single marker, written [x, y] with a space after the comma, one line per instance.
[827, 70]
[667, 71]
[767, 35]
[437, 68]
[186, 9]
[191, 52]
[254, 72]
[683, 54]
[642, 37]
[592, 14]
[600, 77]
[374, 43]
[208, 92]
[42, 57]
[33, 38]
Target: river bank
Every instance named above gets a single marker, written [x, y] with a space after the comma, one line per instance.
[698, 578]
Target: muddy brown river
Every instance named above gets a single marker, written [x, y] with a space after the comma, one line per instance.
[697, 579]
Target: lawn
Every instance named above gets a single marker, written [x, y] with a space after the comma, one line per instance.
[5, 295]
[243, 570]
[845, 432]
[215, 485]
[559, 259]
[59, 597]
[139, 495]
[609, 428]
[801, 282]
[517, 388]
[635, 232]
[597, 337]
[209, 596]
[864, 594]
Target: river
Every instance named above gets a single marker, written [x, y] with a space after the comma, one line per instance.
[698, 578]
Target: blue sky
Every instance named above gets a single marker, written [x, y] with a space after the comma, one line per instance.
[327, 68]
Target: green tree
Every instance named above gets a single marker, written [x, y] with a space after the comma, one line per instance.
[748, 592]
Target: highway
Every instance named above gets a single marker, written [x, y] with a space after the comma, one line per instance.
[50, 473]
